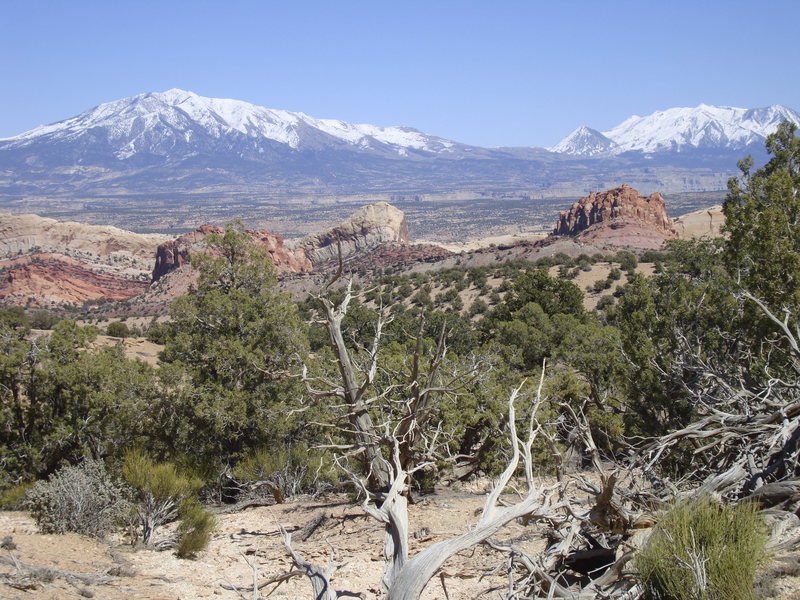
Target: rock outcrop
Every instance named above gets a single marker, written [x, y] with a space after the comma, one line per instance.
[701, 223]
[618, 217]
[369, 227]
[48, 263]
[176, 253]
[106, 248]
[48, 280]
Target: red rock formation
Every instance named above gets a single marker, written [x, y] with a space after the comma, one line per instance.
[51, 279]
[174, 254]
[621, 216]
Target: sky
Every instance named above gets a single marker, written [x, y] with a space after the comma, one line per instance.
[489, 73]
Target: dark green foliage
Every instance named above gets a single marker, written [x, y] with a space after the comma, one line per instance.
[703, 551]
[552, 294]
[762, 216]
[232, 345]
[62, 402]
[478, 307]
[422, 298]
[42, 319]
[627, 260]
[81, 499]
[654, 256]
[601, 285]
[157, 332]
[605, 302]
[118, 329]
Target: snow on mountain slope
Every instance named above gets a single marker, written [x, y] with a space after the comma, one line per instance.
[700, 127]
[680, 129]
[153, 122]
[584, 141]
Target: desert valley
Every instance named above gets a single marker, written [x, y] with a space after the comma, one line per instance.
[248, 352]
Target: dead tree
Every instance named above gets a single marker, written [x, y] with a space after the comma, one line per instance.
[404, 578]
[745, 441]
[403, 441]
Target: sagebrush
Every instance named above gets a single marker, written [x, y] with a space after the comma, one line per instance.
[82, 499]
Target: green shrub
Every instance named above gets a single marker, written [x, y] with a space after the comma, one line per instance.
[702, 550]
[82, 499]
[194, 530]
[627, 260]
[157, 332]
[160, 493]
[42, 319]
[14, 497]
[605, 302]
[292, 470]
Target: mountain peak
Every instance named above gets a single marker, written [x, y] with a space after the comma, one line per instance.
[584, 141]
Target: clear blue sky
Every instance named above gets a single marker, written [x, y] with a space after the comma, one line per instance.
[488, 73]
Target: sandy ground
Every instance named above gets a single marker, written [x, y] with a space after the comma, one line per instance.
[134, 348]
[253, 535]
[113, 570]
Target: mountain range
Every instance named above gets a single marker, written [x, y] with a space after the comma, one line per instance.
[178, 144]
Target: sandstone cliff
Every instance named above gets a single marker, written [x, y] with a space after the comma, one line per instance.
[48, 263]
[48, 279]
[619, 217]
[370, 226]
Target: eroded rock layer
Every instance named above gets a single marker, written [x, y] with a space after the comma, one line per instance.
[106, 248]
[51, 279]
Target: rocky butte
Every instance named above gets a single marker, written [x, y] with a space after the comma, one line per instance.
[618, 217]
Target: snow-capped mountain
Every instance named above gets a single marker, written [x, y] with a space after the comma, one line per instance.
[585, 141]
[162, 123]
[176, 144]
[680, 129]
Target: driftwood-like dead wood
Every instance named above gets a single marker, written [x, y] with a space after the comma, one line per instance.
[307, 530]
[318, 576]
[276, 579]
[46, 573]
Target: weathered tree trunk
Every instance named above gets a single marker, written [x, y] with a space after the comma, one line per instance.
[417, 572]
